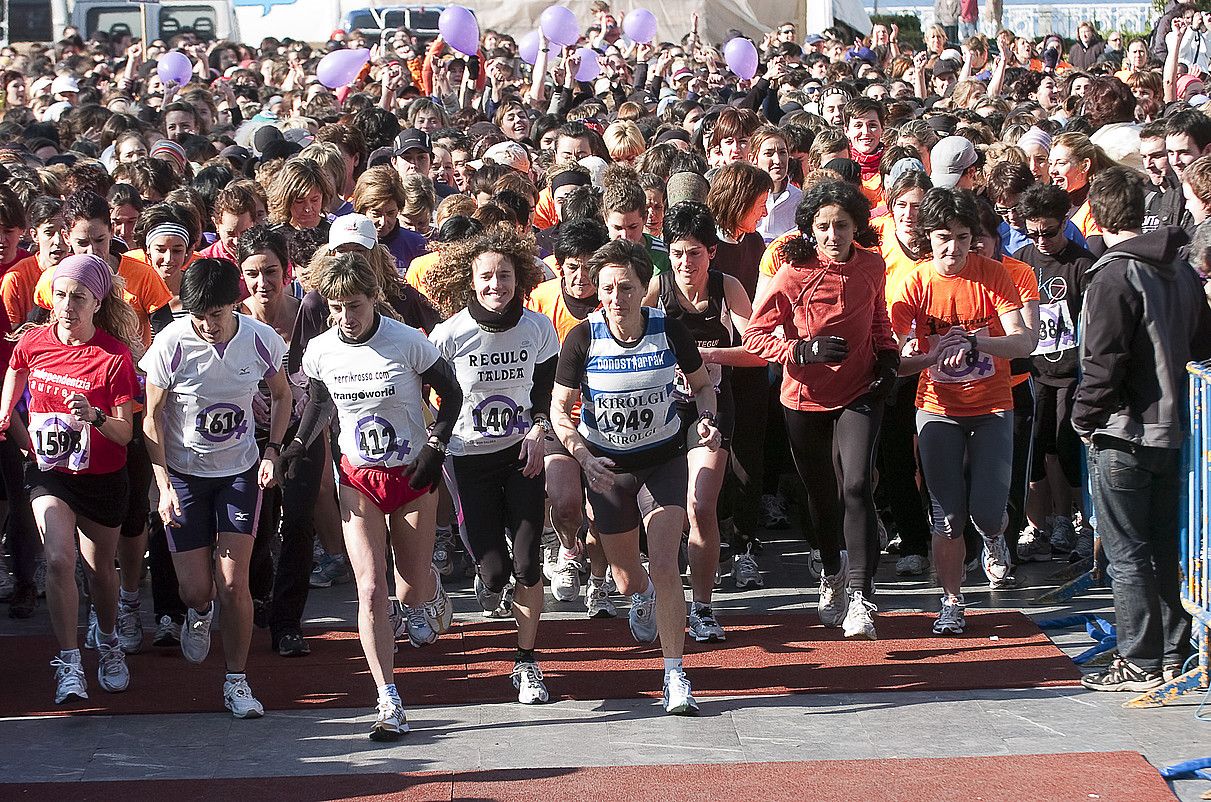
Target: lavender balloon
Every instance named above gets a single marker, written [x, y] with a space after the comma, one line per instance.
[590, 67]
[340, 67]
[640, 26]
[559, 25]
[174, 66]
[459, 29]
[528, 47]
[741, 57]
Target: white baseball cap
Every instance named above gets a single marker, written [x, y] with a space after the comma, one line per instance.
[65, 84]
[356, 229]
[510, 154]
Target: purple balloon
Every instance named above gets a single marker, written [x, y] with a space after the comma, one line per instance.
[640, 25]
[174, 66]
[741, 57]
[528, 47]
[340, 67]
[559, 25]
[590, 67]
[459, 29]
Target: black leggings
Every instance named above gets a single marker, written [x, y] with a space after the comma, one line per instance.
[492, 494]
[845, 439]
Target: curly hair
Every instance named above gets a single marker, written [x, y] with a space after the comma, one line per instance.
[450, 285]
[941, 208]
[802, 249]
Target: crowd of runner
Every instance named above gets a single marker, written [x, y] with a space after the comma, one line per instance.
[469, 314]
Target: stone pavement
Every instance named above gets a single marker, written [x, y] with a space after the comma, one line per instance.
[624, 732]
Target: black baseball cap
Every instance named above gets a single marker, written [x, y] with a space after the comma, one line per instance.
[412, 139]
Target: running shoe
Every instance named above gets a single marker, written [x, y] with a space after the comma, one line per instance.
[704, 627]
[391, 723]
[678, 696]
[1171, 671]
[995, 558]
[833, 603]
[24, 601]
[293, 644]
[504, 609]
[912, 565]
[642, 617]
[488, 600]
[550, 553]
[238, 698]
[772, 513]
[419, 627]
[815, 565]
[1123, 675]
[1063, 534]
[859, 619]
[69, 676]
[745, 571]
[1084, 543]
[40, 578]
[527, 679]
[610, 584]
[7, 584]
[168, 632]
[597, 599]
[396, 618]
[443, 551]
[130, 628]
[565, 583]
[195, 635]
[1033, 545]
[895, 544]
[112, 672]
[91, 632]
[439, 611]
[331, 570]
[951, 620]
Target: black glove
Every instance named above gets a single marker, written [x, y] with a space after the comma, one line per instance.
[290, 459]
[473, 67]
[425, 471]
[821, 349]
[887, 363]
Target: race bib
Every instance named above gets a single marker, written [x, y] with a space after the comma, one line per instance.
[59, 440]
[497, 416]
[1056, 330]
[220, 423]
[977, 366]
[376, 440]
[625, 420]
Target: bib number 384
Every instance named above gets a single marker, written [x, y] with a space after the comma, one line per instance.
[59, 440]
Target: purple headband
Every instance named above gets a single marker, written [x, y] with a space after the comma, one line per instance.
[91, 271]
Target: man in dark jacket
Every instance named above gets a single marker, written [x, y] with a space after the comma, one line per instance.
[1145, 316]
[1088, 48]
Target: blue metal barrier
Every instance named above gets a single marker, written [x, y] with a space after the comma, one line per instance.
[1196, 578]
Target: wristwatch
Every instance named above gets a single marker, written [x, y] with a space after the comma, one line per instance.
[275, 446]
[707, 416]
[542, 422]
[437, 445]
[100, 418]
[971, 342]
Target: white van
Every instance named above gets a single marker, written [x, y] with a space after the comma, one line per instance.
[207, 20]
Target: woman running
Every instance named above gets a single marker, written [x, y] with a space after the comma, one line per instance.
[839, 364]
[962, 313]
[371, 369]
[504, 356]
[203, 371]
[623, 362]
[714, 307]
[79, 371]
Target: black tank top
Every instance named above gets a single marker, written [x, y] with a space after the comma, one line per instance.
[710, 328]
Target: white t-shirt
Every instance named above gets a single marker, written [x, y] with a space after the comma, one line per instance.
[208, 424]
[496, 373]
[376, 386]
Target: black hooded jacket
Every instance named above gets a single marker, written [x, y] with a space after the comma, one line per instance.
[1145, 316]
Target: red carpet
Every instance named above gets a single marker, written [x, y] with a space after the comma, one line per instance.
[1102, 776]
[582, 659]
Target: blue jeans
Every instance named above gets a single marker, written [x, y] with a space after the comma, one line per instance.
[1136, 496]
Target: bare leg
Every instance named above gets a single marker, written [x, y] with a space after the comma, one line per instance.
[707, 469]
[366, 544]
[57, 525]
[232, 557]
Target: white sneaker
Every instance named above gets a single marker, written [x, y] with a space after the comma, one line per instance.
[565, 582]
[238, 698]
[487, 599]
[859, 619]
[1033, 545]
[951, 620]
[610, 584]
[418, 626]
[504, 609]
[912, 565]
[391, 723]
[678, 696]
[168, 632]
[834, 598]
[642, 618]
[995, 558]
[439, 611]
[704, 627]
[130, 629]
[745, 571]
[527, 679]
[396, 618]
[195, 635]
[112, 672]
[91, 633]
[69, 676]
[550, 553]
[597, 599]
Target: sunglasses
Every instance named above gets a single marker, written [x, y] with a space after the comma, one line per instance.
[1046, 233]
[787, 30]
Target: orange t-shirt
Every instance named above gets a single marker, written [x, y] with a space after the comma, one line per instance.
[771, 260]
[1083, 219]
[928, 304]
[545, 213]
[17, 290]
[145, 291]
[899, 264]
[547, 299]
[872, 188]
[1028, 288]
[417, 270]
